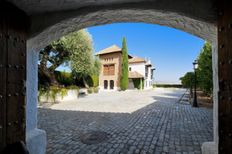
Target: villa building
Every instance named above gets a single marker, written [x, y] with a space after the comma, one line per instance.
[140, 70]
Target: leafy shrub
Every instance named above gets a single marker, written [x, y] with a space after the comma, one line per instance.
[168, 85]
[63, 92]
[43, 91]
[90, 90]
[73, 87]
[138, 83]
[64, 78]
[95, 89]
[95, 79]
[52, 92]
[79, 81]
[154, 86]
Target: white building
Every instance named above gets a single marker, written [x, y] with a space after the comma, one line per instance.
[141, 68]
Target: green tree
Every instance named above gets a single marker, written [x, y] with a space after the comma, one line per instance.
[75, 49]
[96, 72]
[64, 78]
[80, 45]
[51, 57]
[96, 66]
[204, 71]
[124, 77]
[188, 81]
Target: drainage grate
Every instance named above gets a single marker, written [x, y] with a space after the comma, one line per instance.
[94, 137]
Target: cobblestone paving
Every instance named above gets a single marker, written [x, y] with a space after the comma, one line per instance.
[161, 127]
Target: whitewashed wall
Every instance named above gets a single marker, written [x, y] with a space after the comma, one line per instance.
[138, 67]
[35, 138]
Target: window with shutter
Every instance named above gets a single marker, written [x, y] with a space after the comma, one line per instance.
[109, 69]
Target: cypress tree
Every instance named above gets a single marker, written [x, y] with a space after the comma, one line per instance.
[124, 76]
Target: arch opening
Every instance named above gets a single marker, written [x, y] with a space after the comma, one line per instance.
[60, 28]
[107, 85]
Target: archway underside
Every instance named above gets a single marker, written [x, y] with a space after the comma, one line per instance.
[62, 24]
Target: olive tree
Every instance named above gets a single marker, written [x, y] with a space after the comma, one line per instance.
[80, 46]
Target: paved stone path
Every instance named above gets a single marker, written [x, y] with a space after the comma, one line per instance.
[160, 127]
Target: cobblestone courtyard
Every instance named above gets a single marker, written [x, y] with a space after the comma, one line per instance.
[160, 126]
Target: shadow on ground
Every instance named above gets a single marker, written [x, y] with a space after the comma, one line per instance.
[163, 126]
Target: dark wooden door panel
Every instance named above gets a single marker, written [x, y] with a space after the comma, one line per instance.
[3, 62]
[225, 75]
[16, 77]
[13, 26]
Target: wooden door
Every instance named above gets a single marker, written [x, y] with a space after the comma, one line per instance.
[105, 84]
[13, 25]
[225, 75]
[111, 84]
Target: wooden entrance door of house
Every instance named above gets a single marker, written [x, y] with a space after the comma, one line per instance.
[105, 84]
[111, 84]
[13, 25]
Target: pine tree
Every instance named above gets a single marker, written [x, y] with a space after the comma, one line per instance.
[124, 75]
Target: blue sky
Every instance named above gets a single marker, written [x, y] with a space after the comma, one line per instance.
[171, 51]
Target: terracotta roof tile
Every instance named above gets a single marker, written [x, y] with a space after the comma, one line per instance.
[135, 75]
[136, 60]
[111, 49]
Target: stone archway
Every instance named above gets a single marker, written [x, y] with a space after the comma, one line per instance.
[49, 22]
[61, 24]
